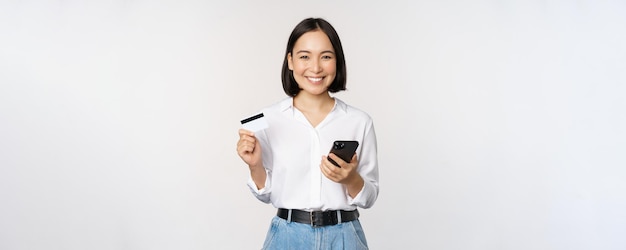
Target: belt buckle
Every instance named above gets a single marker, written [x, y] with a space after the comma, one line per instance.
[317, 218]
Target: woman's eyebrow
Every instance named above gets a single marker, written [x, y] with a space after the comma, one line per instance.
[306, 51]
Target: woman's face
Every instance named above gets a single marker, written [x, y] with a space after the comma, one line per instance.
[313, 62]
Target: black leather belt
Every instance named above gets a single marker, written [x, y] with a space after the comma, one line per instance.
[318, 218]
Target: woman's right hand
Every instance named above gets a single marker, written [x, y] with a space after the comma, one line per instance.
[249, 149]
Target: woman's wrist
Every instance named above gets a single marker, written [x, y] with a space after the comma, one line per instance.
[258, 175]
[354, 185]
[255, 168]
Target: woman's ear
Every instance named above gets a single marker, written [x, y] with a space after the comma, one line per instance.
[289, 61]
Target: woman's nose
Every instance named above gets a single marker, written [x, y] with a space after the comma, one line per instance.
[316, 67]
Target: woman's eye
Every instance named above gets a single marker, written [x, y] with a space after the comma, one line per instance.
[304, 57]
[327, 57]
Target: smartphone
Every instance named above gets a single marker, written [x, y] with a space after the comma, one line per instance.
[344, 149]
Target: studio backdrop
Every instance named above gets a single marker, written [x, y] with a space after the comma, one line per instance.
[500, 124]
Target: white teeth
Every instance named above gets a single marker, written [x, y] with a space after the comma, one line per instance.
[315, 79]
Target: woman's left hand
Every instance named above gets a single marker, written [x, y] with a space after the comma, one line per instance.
[345, 174]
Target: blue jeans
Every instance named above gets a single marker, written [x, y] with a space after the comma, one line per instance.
[284, 235]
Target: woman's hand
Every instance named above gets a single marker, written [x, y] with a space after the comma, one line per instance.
[249, 149]
[345, 174]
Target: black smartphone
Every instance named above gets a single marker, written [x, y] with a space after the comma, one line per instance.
[344, 149]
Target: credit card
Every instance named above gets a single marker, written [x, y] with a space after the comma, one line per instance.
[255, 123]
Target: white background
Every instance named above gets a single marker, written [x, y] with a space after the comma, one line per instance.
[501, 124]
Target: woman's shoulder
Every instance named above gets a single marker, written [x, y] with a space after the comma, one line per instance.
[280, 105]
[274, 109]
[352, 110]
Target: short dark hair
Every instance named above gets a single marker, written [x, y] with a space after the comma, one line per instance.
[311, 24]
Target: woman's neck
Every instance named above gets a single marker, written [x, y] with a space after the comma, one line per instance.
[314, 103]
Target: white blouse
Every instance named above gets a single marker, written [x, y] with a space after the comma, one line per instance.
[292, 150]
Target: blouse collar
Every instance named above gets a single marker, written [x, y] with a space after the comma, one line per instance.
[287, 104]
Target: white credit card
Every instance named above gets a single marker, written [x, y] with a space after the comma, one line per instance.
[255, 123]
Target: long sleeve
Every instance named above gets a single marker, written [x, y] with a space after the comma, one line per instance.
[263, 194]
[368, 169]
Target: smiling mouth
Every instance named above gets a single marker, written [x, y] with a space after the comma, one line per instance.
[315, 79]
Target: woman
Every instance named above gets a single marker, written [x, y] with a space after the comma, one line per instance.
[289, 161]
